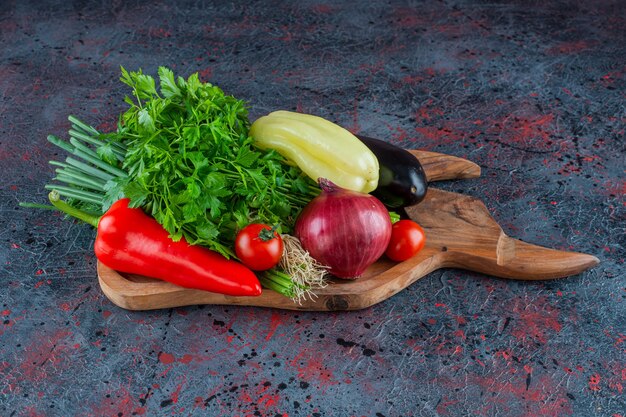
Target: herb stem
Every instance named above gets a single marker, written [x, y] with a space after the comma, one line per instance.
[78, 145]
[37, 206]
[76, 182]
[270, 274]
[117, 147]
[276, 283]
[75, 193]
[60, 143]
[267, 283]
[295, 199]
[61, 205]
[313, 192]
[79, 175]
[100, 163]
[89, 169]
[59, 164]
[84, 127]
[75, 196]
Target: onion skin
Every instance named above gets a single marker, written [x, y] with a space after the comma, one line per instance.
[344, 230]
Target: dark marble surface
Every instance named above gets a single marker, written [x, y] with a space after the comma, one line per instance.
[532, 91]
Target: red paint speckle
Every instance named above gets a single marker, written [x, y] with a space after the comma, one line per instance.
[166, 358]
[125, 404]
[427, 112]
[548, 399]
[176, 393]
[611, 77]
[206, 74]
[46, 356]
[594, 382]
[535, 319]
[412, 79]
[312, 367]
[322, 9]
[275, 321]
[186, 359]
[570, 47]
[160, 33]
[108, 126]
[406, 17]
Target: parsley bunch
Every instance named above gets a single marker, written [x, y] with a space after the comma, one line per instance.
[191, 164]
[183, 154]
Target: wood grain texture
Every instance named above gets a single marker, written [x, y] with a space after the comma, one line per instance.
[468, 237]
[460, 233]
[439, 166]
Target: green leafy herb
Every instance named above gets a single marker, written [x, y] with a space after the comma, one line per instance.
[192, 165]
[183, 154]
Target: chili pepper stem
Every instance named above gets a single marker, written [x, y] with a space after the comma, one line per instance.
[55, 199]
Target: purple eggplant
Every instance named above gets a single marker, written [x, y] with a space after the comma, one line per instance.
[401, 179]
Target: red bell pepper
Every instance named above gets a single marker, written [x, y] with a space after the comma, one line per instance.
[130, 241]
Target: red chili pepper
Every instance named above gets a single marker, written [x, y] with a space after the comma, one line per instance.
[130, 241]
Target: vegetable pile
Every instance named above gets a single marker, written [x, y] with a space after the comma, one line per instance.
[186, 182]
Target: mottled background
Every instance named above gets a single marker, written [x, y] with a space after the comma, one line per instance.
[533, 91]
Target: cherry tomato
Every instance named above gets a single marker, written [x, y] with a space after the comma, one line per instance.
[407, 239]
[258, 246]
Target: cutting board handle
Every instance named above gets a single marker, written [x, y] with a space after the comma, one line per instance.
[440, 167]
[468, 237]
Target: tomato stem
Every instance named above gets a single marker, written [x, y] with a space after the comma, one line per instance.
[268, 234]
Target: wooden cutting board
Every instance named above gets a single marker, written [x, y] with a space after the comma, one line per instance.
[460, 233]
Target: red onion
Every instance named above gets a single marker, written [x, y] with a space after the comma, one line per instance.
[344, 230]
